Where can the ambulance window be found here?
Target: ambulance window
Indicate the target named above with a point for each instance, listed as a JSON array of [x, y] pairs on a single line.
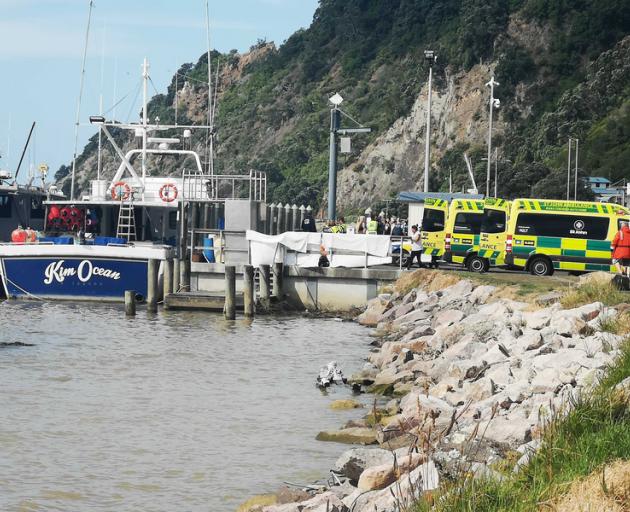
[[564, 226], [469, 223], [5, 206], [493, 221], [432, 220]]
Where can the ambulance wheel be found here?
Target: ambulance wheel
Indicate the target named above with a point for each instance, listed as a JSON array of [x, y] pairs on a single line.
[[540, 266], [477, 264]]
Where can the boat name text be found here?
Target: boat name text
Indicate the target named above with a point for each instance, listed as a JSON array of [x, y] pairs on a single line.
[[84, 272]]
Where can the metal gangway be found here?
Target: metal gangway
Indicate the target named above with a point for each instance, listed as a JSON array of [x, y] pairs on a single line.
[[209, 187]]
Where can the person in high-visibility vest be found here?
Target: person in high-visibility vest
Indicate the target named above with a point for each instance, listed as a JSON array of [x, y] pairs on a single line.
[[372, 227]]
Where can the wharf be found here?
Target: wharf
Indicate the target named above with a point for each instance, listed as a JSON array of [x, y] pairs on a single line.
[[199, 300]]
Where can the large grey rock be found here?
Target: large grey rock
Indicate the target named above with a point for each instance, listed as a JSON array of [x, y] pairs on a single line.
[[539, 319], [373, 313], [419, 332], [412, 316], [546, 380], [402, 310], [481, 294], [353, 462], [447, 317]]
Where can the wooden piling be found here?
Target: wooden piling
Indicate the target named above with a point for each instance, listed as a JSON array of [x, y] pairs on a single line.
[[168, 279], [278, 270], [176, 275], [248, 290], [230, 293], [152, 285], [184, 270], [130, 303], [264, 276]]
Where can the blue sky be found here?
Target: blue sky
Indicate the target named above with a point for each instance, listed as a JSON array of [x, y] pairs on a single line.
[[41, 45]]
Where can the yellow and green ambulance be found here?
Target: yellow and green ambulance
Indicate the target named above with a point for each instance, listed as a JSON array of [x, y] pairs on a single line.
[[461, 239], [546, 235], [433, 226], [493, 234]]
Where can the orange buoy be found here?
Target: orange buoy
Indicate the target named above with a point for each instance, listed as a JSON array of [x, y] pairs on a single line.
[[30, 236], [18, 236]]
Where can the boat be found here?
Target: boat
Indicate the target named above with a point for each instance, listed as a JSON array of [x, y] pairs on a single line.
[[98, 246]]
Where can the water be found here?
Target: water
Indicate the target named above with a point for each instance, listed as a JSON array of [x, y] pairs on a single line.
[[180, 411]]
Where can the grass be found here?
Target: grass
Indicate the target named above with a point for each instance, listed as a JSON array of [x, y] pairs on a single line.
[[596, 432], [590, 292], [616, 324]]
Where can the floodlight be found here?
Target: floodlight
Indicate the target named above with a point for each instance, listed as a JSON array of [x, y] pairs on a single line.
[[97, 120], [430, 56], [336, 100]]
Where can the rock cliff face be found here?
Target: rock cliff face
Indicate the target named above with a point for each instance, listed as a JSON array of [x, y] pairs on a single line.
[[563, 71]]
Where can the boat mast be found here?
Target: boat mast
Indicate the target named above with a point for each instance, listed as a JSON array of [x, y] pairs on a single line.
[[78, 119], [210, 134], [145, 80]]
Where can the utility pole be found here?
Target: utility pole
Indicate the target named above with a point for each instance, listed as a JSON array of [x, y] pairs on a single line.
[[431, 57], [569, 169], [496, 170], [335, 129], [577, 145], [494, 103]]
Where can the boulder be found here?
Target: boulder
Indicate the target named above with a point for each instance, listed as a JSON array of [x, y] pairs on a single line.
[[412, 316], [419, 332], [481, 294], [546, 381], [402, 310], [447, 317], [356, 460], [548, 298], [364, 376], [341, 405], [373, 313], [364, 436], [531, 340], [539, 319], [379, 477], [596, 278], [568, 326]]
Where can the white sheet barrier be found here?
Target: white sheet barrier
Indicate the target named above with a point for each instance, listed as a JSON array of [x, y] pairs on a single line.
[[302, 249]]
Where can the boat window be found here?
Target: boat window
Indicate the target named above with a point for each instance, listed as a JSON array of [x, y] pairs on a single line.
[[493, 221], [433, 220], [468, 223], [564, 226], [172, 220], [37, 209], [5, 206]]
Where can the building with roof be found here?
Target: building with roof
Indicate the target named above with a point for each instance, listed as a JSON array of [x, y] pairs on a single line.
[[607, 192]]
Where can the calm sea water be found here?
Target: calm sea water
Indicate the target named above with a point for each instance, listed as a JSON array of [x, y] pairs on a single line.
[[174, 412]]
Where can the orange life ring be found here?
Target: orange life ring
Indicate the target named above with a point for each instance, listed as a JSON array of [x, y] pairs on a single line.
[[121, 191], [168, 192]]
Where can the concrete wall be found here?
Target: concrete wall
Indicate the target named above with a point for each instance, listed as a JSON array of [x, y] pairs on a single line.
[[326, 289]]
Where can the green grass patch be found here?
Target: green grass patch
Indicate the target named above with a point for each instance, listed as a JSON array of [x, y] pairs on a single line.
[[590, 292], [594, 433]]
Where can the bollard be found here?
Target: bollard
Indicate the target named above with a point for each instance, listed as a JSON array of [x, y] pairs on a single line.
[[302, 215], [168, 279], [288, 222], [176, 275], [264, 276], [230, 293], [295, 224], [152, 285], [248, 290], [278, 269], [130, 303], [280, 228]]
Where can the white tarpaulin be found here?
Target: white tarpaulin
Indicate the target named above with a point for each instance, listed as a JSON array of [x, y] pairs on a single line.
[[302, 249]]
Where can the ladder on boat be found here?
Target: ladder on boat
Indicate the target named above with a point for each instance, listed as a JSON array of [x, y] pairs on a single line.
[[126, 222]]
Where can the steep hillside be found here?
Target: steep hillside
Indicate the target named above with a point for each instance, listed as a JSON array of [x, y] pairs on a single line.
[[563, 67]]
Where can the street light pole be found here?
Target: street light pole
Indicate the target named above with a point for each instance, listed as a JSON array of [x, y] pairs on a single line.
[[569, 170], [577, 145], [493, 104], [496, 170], [332, 164], [431, 57]]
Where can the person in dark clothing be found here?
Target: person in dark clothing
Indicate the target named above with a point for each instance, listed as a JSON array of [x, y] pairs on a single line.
[[308, 224], [323, 258], [397, 228], [380, 228]]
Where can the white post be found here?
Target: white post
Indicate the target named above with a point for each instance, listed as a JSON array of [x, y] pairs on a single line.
[[577, 144], [491, 83], [427, 144], [496, 170], [569, 170], [145, 114]]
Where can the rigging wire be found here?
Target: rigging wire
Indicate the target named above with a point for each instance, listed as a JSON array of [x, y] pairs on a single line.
[[78, 118], [133, 103]]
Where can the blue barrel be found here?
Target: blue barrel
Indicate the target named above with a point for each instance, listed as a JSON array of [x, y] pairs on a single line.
[[208, 251]]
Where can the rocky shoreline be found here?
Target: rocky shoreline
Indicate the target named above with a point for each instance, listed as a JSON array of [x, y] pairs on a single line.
[[465, 379]]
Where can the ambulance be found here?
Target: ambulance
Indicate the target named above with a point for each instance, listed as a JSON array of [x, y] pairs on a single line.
[[491, 252], [546, 235], [461, 239], [433, 228]]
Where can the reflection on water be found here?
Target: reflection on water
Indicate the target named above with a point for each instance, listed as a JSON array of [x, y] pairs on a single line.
[[179, 411]]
